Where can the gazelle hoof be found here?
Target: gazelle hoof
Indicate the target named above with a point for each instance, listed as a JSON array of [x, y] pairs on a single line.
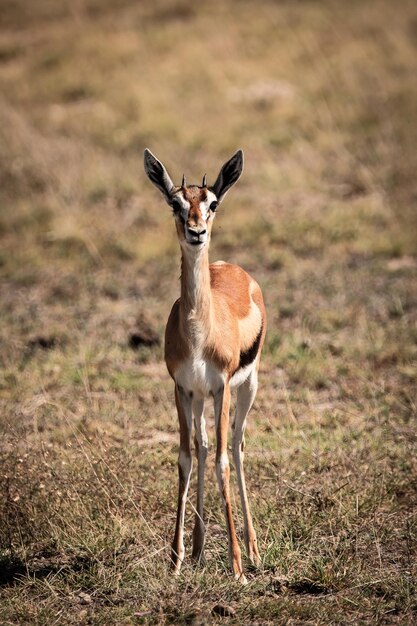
[[241, 578], [199, 559], [176, 562]]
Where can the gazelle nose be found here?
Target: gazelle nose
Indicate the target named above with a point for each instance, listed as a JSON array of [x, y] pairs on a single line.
[[196, 232]]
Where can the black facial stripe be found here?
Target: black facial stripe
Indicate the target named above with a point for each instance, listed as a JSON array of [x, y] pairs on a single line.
[[249, 355]]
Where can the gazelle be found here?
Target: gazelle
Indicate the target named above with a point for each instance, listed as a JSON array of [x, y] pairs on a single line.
[[213, 342]]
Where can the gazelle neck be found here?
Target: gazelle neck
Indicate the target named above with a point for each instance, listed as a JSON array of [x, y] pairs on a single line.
[[195, 287]]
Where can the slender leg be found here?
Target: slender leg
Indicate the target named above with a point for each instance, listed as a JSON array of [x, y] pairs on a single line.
[[201, 450], [183, 403], [221, 410], [245, 396]]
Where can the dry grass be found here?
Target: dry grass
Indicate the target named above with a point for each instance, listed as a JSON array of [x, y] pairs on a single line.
[[322, 97]]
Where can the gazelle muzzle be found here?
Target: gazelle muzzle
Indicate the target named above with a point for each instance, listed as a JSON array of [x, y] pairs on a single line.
[[196, 236]]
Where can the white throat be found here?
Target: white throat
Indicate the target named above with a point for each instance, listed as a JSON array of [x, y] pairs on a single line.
[[195, 287]]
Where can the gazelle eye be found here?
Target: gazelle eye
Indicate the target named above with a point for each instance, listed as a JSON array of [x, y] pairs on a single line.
[[176, 206], [213, 206]]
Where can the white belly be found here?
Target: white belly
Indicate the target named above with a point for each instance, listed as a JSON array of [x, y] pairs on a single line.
[[199, 376], [202, 378]]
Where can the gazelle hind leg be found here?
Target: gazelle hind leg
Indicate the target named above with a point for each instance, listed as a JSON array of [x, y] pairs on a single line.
[[201, 450], [221, 410], [245, 396], [183, 403]]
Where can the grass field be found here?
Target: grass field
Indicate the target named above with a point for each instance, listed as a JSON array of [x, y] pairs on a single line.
[[322, 96]]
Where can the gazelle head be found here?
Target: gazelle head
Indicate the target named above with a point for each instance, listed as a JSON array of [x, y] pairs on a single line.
[[194, 206]]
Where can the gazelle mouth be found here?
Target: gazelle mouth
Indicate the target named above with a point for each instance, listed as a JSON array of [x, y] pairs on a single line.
[[195, 243]]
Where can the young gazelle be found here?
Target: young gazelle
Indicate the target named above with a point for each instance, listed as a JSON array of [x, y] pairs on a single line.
[[213, 342]]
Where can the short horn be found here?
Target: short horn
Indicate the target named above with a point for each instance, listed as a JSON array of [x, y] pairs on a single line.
[[184, 182], [204, 183]]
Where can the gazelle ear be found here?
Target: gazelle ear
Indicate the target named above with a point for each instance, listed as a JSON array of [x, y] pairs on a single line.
[[157, 174], [228, 175]]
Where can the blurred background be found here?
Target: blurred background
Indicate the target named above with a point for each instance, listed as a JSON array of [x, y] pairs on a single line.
[[322, 97]]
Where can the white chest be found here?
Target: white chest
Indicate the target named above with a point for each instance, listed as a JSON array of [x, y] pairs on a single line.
[[199, 376]]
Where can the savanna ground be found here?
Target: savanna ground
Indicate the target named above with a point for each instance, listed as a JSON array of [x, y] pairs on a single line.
[[322, 96]]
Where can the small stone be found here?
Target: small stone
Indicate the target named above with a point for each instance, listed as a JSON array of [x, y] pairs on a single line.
[[142, 613], [279, 584], [85, 598]]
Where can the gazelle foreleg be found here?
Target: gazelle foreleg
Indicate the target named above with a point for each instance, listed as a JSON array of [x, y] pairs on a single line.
[[245, 396], [221, 410], [201, 450], [184, 408]]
